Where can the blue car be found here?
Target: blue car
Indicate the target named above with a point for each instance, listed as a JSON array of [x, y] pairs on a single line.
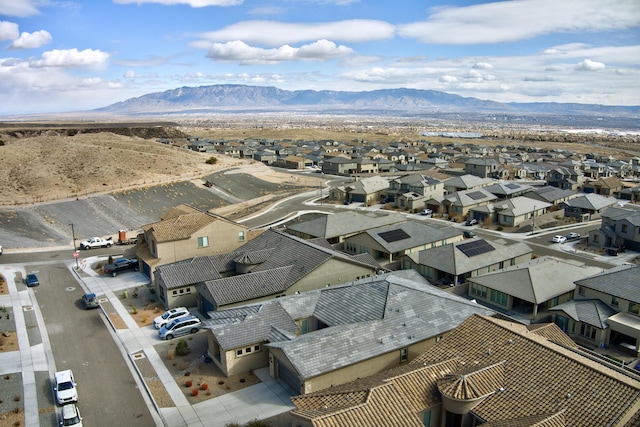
[[31, 280]]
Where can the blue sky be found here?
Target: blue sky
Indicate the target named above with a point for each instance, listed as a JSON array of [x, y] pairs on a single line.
[[65, 55]]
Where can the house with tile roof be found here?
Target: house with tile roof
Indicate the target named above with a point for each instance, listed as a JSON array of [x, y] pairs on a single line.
[[620, 227], [323, 338], [423, 185], [549, 194], [606, 310], [340, 225], [587, 206], [275, 264], [610, 186], [510, 212], [185, 232], [455, 263], [460, 203], [388, 243], [465, 182], [367, 190], [487, 371], [483, 167], [530, 288], [508, 189]]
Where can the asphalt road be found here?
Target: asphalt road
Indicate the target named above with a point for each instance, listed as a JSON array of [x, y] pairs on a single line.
[[81, 341]]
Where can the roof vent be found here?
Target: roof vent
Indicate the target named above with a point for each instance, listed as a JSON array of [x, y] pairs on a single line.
[[501, 389], [381, 341], [569, 396], [510, 341]]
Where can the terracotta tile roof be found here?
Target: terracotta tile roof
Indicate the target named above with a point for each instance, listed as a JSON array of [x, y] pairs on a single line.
[[176, 211], [144, 254], [527, 381], [179, 227], [395, 413], [473, 382], [553, 333], [540, 420]]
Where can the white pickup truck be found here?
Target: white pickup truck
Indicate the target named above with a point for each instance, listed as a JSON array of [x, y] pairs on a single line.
[[96, 242]]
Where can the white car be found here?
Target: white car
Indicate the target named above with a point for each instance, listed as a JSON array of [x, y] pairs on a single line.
[[65, 387], [169, 315], [71, 416], [559, 239], [426, 212]]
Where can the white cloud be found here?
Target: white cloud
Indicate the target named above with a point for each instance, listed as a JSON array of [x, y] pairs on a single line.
[[589, 65], [8, 30], [272, 34], [511, 20], [19, 7], [483, 65], [31, 40], [239, 51], [71, 58], [192, 3], [448, 79]]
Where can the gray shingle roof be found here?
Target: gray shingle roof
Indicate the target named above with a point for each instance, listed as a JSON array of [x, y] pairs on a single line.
[[538, 280], [592, 201], [449, 259], [622, 282], [414, 311], [617, 214], [590, 311], [193, 270], [417, 234], [346, 223]]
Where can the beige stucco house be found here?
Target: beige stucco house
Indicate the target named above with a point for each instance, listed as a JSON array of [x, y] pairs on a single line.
[[322, 338], [185, 232]]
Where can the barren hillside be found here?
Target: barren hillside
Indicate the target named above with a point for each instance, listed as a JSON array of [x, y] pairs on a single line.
[[53, 166]]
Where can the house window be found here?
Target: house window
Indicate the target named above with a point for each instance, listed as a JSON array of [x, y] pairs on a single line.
[[634, 308], [256, 348], [581, 290], [404, 354], [479, 290], [426, 418], [239, 352], [596, 238], [614, 301], [247, 350], [175, 293], [624, 228], [241, 236], [203, 242], [498, 297], [182, 291], [588, 331]]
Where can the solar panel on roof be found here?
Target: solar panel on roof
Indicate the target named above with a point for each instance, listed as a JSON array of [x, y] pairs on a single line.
[[512, 186], [394, 235], [477, 195], [476, 247]]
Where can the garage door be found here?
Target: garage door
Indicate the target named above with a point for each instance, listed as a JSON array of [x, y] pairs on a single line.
[[289, 377]]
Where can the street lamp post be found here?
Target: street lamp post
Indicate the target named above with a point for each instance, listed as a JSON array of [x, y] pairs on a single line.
[[75, 250]]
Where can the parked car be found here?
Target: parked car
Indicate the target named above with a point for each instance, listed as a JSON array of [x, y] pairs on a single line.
[[559, 239], [472, 221], [170, 315], [181, 326], [0, 249], [614, 250], [65, 387], [468, 234], [90, 301], [31, 280], [70, 416], [426, 212], [120, 265], [572, 236]]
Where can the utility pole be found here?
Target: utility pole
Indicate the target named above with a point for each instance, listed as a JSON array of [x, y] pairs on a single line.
[[533, 219], [75, 250]]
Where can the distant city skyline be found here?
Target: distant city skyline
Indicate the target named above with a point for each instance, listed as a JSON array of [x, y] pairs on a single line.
[[62, 56]]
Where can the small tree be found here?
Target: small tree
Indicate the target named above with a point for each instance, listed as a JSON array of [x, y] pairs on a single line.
[[212, 161], [182, 348]]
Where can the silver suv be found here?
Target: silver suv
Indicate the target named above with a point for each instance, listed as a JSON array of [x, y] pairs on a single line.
[[181, 326]]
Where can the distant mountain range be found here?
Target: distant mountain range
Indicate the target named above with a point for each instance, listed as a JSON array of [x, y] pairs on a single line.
[[243, 99]]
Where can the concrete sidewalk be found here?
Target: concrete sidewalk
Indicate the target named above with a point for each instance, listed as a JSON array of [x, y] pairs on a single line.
[[263, 400]]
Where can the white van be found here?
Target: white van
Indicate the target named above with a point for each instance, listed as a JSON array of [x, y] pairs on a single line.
[[181, 326]]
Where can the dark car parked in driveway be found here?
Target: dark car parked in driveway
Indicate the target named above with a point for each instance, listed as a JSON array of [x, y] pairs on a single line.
[[120, 265]]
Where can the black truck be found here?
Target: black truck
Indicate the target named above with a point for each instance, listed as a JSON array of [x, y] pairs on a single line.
[[120, 265]]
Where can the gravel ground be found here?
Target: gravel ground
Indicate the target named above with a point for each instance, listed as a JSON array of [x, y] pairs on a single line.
[[11, 393], [49, 224]]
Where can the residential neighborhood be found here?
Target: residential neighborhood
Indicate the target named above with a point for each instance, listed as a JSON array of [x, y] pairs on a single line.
[[449, 285]]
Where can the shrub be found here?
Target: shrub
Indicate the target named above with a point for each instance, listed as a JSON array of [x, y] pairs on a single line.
[[194, 392], [204, 386], [188, 383], [212, 161], [171, 354], [182, 348]]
